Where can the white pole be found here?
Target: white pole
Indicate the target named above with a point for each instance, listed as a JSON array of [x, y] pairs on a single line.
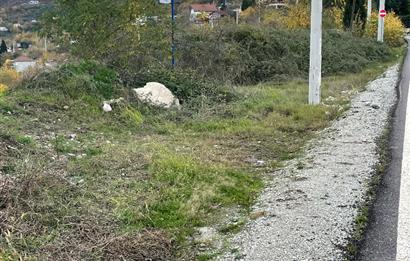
[[369, 9], [45, 44], [259, 11], [380, 30], [315, 74]]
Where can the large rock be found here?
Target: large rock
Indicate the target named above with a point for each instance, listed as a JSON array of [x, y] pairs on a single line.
[[157, 94]]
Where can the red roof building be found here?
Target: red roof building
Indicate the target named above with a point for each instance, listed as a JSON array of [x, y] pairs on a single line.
[[207, 8], [204, 13], [23, 59]]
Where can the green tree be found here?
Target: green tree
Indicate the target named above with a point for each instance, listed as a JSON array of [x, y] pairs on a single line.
[[394, 5], [248, 3], [3, 47], [122, 33], [401, 8], [355, 11]]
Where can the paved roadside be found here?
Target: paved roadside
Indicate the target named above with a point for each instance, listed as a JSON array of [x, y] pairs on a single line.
[[391, 211]]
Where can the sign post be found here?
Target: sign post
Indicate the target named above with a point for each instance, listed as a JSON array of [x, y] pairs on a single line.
[[172, 2], [382, 14], [315, 72], [172, 33]]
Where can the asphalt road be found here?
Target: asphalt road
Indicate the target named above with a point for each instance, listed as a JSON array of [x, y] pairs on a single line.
[[385, 239]]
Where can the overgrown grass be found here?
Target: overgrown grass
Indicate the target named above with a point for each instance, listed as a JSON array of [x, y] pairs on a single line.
[[137, 182]]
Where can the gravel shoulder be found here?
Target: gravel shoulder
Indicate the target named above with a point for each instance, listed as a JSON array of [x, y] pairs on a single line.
[[310, 206]]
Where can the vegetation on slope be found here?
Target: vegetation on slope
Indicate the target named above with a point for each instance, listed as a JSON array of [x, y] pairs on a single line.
[[78, 183]]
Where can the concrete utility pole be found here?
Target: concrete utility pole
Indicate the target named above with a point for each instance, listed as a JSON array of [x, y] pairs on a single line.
[[45, 44], [369, 9], [315, 74], [258, 3], [380, 30]]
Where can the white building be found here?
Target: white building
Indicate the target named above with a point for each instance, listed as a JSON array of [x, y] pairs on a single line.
[[22, 63]]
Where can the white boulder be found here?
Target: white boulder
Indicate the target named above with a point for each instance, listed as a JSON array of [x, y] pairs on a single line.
[[107, 107], [157, 94]]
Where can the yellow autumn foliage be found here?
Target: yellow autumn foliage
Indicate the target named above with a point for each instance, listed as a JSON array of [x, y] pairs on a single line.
[[3, 88], [333, 18], [298, 16], [250, 11], [273, 18], [393, 29], [9, 76]]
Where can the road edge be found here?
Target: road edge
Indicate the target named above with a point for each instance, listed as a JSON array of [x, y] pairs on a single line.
[[385, 153]]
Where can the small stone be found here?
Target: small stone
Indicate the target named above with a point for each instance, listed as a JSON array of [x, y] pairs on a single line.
[[66, 107], [375, 106], [72, 136], [260, 163], [206, 235]]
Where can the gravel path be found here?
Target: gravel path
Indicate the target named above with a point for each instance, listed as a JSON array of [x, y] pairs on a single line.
[[308, 210]]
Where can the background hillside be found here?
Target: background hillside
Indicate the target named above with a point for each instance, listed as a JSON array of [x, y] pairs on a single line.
[[21, 11]]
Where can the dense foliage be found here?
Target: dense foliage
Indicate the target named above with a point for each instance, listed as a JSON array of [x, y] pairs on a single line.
[[393, 30], [121, 33], [185, 84], [355, 12], [78, 79], [401, 8], [134, 39], [249, 54]]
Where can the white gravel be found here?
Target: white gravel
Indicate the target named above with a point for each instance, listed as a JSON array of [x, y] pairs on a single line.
[[311, 211]]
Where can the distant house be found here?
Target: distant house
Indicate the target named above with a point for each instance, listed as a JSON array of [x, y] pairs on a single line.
[[22, 63], [202, 13], [23, 45], [34, 2]]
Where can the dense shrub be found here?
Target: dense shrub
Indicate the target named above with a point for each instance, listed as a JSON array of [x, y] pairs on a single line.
[[8, 76], [250, 54], [78, 79], [298, 16], [185, 84]]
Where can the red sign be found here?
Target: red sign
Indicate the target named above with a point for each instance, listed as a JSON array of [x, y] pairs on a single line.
[[382, 13]]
